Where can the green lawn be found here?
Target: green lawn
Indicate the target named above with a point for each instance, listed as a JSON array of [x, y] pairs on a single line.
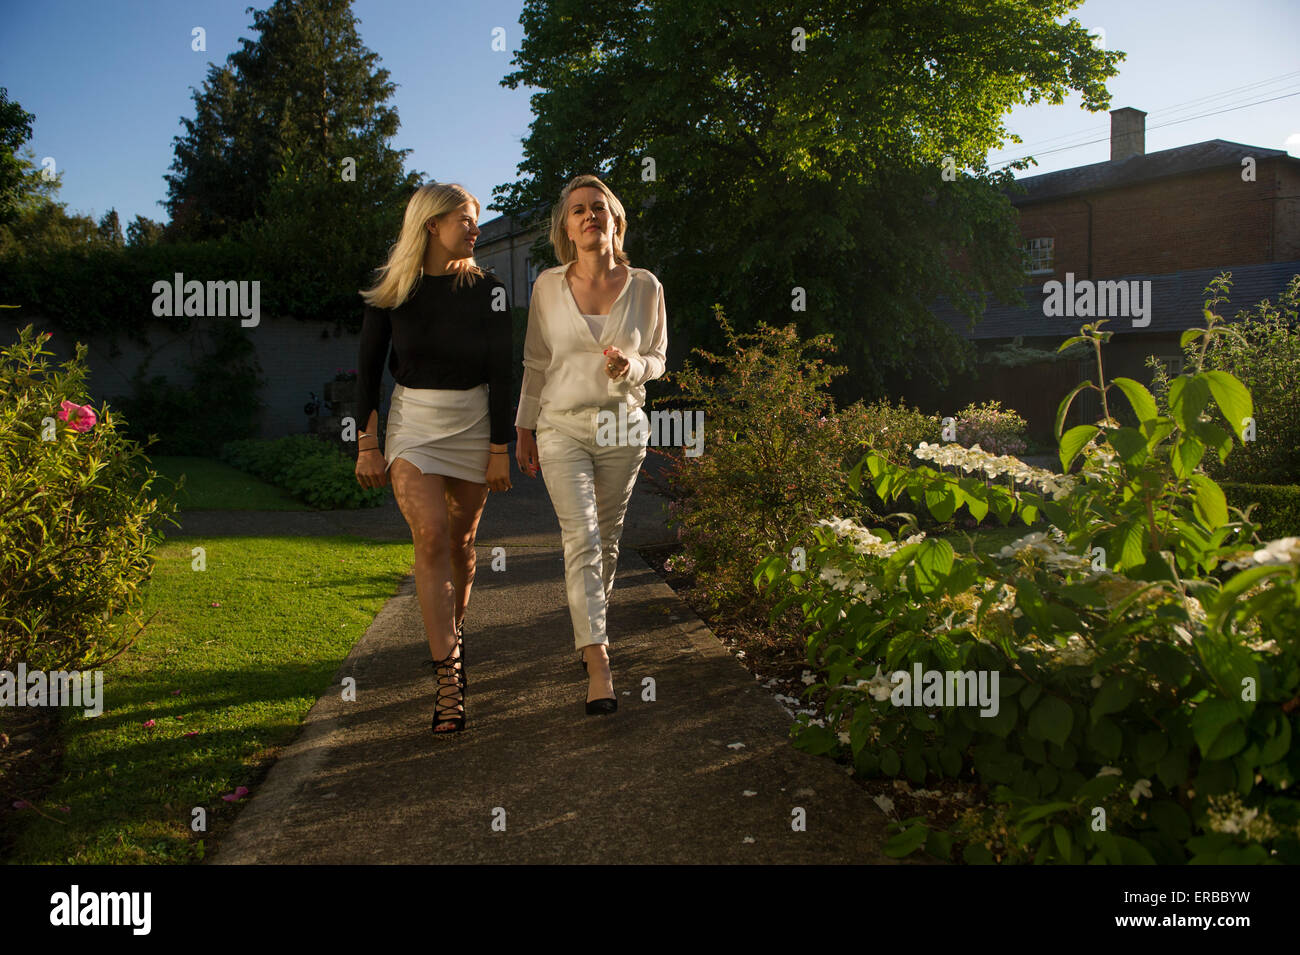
[[212, 485], [237, 654]]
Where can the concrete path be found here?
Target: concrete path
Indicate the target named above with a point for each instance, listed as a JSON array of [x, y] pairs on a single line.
[[695, 767]]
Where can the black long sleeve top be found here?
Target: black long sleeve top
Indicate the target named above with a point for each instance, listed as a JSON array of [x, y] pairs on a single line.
[[441, 338]]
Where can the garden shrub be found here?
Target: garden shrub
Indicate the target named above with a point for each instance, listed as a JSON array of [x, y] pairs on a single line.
[[994, 429], [1278, 506], [1262, 350], [78, 521], [776, 455], [313, 470], [1143, 651]]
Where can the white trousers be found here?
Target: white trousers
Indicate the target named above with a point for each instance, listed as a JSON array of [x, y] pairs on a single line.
[[590, 486]]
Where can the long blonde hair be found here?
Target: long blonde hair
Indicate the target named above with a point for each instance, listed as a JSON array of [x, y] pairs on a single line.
[[405, 265], [564, 248]]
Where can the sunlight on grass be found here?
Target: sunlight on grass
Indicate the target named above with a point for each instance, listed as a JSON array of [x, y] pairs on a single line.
[[237, 654], [212, 485]]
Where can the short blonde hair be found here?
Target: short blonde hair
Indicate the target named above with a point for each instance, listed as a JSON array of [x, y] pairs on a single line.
[[565, 250], [405, 265]]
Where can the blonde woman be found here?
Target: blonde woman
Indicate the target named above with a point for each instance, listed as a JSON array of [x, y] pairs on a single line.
[[597, 332], [449, 420]]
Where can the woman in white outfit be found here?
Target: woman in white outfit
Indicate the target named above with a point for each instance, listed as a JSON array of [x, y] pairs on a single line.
[[597, 332]]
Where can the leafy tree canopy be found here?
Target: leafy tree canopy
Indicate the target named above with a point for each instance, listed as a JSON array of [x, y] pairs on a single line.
[[802, 144]]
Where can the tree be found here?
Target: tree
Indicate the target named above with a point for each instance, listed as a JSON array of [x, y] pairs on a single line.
[[803, 145], [305, 92], [39, 222], [110, 229], [15, 129], [143, 231]]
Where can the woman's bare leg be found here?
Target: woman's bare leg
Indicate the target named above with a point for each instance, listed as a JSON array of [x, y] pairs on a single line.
[[422, 500], [465, 500]]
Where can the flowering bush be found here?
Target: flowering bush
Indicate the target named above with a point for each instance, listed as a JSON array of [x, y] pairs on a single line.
[[992, 428], [895, 431], [1125, 682], [776, 454], [76, 517]]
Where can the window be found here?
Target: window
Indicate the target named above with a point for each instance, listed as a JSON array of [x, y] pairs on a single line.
[[1174, 364], [1039, 258], [532, 277]]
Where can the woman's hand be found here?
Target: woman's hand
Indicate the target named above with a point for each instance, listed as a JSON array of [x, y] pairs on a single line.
[[498, 472], [372, 469], [526, 452], [616, 363]]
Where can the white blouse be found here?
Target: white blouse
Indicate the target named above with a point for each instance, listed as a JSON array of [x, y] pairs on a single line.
[[564, 364]]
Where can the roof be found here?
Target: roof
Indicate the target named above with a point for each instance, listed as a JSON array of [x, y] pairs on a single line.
[[1177, 300], [504, 226], [1113, 174]]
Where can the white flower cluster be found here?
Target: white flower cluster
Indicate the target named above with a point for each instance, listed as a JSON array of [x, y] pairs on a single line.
[[975, 458], [865, 542], [1285, 550], [839, 580], [879, 686], [1048, 549], [1228, 814]]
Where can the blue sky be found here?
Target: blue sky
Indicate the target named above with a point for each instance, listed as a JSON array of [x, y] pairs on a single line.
[[109, 80]]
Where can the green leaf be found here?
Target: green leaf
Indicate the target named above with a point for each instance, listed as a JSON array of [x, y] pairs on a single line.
[[1279, 743], [1073, 441], [941, 502], [1064, 406], [1233, 399], [1187, 399], [907, 841], [1185, 454], [1143, 404], [1115, 694], [933, 562], [890, 763], [1230, 665], [939, 844], [1210, 505], [1105, 737], [1051, 719], [1130, 443], [1210, 718], [1063, 845], [1189, 335]]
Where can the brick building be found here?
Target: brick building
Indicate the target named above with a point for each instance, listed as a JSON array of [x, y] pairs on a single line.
[[1156, 226]]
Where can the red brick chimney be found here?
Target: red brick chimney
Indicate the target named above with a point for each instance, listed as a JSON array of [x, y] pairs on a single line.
[[1128, 133]]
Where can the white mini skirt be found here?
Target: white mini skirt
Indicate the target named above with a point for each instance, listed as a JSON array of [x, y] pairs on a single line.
[[441, 431]]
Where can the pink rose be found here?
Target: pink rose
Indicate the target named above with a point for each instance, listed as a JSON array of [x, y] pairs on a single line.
[[79, 417]]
